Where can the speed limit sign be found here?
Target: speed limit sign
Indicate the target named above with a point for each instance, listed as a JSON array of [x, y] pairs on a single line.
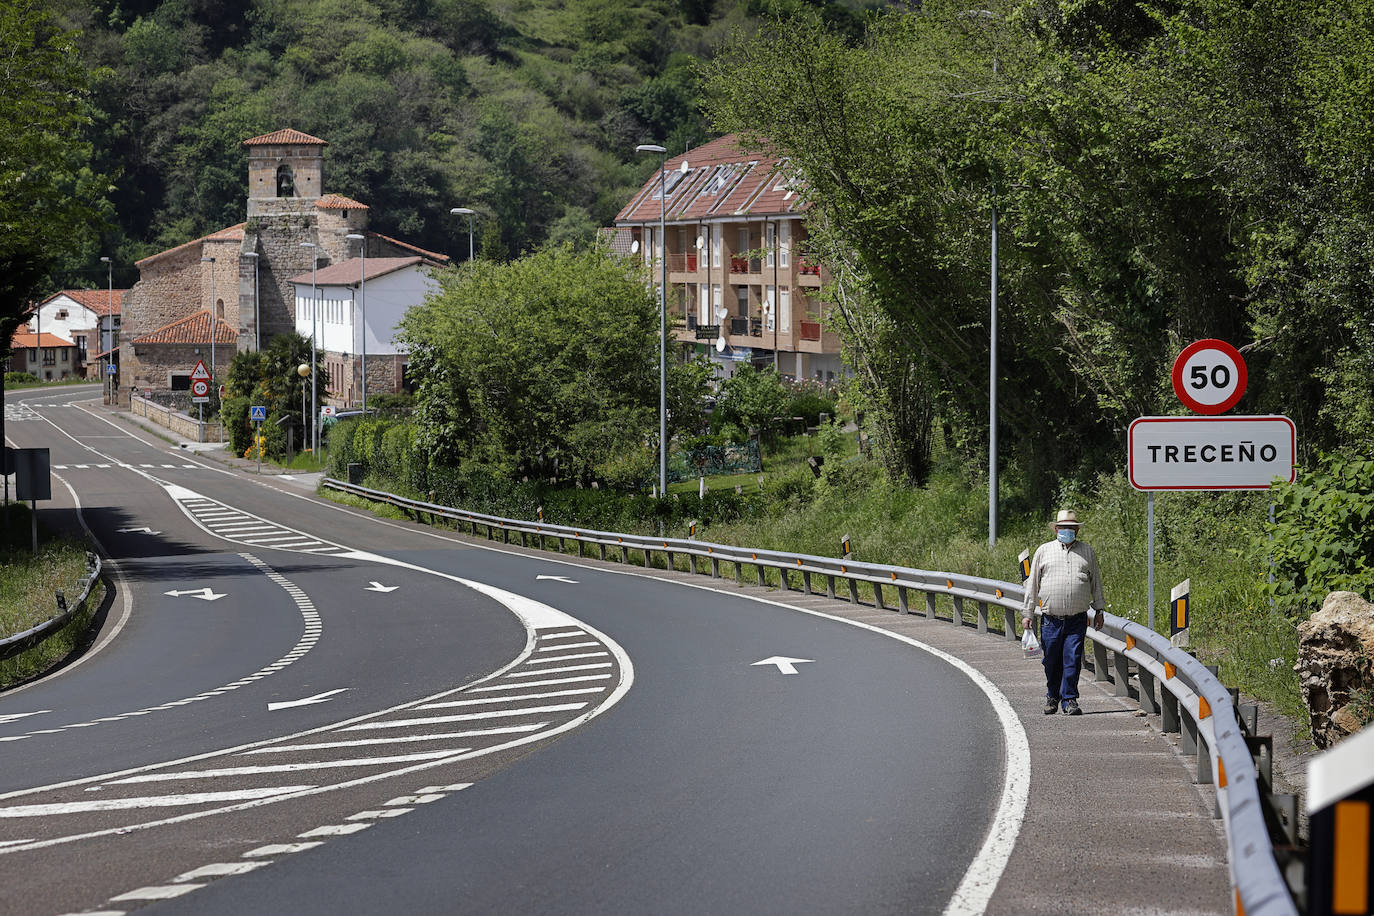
[[1209, 376]]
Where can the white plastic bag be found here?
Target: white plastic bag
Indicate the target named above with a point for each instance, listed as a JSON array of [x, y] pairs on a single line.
[[1030, 646]]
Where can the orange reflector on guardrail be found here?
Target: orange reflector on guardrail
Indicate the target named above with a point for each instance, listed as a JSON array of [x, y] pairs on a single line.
[[894, 577], [998, 590], [753, 556], [949, 583], [1169, 670], [1130, 642], [799, 562], [665, 543], [844, 569], [1221, 773], [1240, 907], [1204, 709]]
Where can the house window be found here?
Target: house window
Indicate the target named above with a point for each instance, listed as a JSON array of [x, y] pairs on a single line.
[[80, 341], [61, 314], [769, 233], [179, 381], [742, 301], [785, 246], [785, 309], [715, 245], [286, 181], [64, 354], [49, 357], [704, 304], [742, 242]]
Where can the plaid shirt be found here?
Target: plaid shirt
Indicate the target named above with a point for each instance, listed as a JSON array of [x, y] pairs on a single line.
[[1064, 580]]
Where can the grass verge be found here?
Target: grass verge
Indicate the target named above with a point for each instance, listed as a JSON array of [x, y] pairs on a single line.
[[28, 585]]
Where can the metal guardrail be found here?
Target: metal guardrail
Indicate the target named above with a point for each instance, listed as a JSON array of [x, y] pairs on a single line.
[[1191, 701], [22, 642]]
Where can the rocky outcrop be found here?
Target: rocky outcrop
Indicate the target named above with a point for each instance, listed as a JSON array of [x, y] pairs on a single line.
[[1336, 666]]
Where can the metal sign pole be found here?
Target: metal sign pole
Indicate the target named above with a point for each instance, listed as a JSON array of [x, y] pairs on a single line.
[[1150, 566], [257, 443]]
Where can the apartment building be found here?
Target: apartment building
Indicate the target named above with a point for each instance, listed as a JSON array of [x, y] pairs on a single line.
[[740, 287]]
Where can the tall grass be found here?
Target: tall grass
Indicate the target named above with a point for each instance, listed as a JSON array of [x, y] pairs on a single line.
[[28, 586]]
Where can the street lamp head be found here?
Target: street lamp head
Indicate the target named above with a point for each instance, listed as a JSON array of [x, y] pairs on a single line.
[[250, 254], [303, 370], [354, 236], [311, 244], [207, 260], [462, 211], [650, 148], [104, 260]]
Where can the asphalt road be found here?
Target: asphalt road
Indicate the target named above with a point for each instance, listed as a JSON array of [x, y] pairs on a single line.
[[475, 738]]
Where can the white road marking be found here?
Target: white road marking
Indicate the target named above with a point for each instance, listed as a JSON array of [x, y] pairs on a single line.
[[219, 870], [406, 739], [288, 767], [469, 717], [165, 892], [279, 849], [16, 716], [154, 801], [334, 830], [544, 671], [415, 799], [456, 787], [373, 815], [308, 701], [571, 645], [550, 682], [553, 660], [449, 704]]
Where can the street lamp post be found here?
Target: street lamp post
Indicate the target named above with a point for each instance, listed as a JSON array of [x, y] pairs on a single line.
[[211, 262], [109, 324], [314, 310], [362, 308], [304, 371], [465, 211], [662, 315]]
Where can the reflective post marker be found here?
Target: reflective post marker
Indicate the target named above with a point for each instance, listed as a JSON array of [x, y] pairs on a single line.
[[1179, 613]]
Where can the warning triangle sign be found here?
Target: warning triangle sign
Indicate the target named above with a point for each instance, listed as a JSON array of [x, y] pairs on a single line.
[[200, 372]]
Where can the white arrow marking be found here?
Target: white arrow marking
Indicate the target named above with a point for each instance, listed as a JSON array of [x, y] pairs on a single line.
[[785, 665], [557, 579], [138, 531], [204, 594], [308, 701], [379, 587], [15, 716]]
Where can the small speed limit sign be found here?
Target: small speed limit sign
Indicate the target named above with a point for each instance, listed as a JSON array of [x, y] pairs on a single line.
[[1209, 376]]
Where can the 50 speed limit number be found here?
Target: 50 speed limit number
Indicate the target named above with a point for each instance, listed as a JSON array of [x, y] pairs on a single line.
[[1209, 376]]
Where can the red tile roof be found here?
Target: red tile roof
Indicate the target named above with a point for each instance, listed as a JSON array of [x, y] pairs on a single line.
[[723, 179], [617, 239], [25, 340], [345, 273], [231, 234], [194, 329], [339, 202], [99, 301], [285, 135], [102, 355], [432, 255]]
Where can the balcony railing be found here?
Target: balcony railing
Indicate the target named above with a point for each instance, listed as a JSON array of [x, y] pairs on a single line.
[[810, 330], [678, 263], [808, 269]]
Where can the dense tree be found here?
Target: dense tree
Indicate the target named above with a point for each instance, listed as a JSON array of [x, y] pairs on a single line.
[[542, 367]]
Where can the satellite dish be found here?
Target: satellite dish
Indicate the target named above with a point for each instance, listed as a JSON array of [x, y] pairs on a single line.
[[634, 247], [721, 313], [683, 168], [701, 243], [720, 344]]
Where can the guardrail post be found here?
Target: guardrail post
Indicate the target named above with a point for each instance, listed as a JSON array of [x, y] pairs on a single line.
[[1099, 661], [739, 573], [982, 616], [853, 591], [1169, 721], [759, 568], [1188, 732], [902, 600], [672, 564], [878, 596], [806, 581], [715, 568], [624, 554], [1147, 690], [958, 617], [1204, 764], [1009, 624], [829, 586], [692, 563], [524, 539], [648, 558], [602, 548], [580, 550], [930, 606], [1123, 674], [1262, 751], [1248, 714], [782, 579]]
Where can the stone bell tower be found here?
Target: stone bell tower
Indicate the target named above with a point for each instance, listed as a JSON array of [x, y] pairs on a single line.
[[285, 173]]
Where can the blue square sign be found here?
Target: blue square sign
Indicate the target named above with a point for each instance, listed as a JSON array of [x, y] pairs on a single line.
[[257, 413]]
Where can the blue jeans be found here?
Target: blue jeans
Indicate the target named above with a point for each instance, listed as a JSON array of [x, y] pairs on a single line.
[[1061, 638]]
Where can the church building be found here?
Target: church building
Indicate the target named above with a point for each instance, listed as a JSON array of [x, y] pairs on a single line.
[[231, 291]]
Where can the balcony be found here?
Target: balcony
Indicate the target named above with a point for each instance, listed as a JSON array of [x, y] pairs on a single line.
[[746, 327], [682, 263], [807, 269], [810, 330]]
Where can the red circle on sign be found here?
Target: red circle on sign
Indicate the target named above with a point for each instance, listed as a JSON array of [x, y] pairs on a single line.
[[200, 388], [1213, 367]]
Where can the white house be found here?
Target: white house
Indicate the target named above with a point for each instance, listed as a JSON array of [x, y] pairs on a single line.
[[342, 296], [89, 318]]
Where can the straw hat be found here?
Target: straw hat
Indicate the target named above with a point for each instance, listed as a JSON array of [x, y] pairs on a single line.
[[1067, 518]]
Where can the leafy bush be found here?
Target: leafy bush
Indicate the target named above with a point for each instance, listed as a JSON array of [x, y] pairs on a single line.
[[751, 397], [20, 378], [808, 400], [1322, 537]]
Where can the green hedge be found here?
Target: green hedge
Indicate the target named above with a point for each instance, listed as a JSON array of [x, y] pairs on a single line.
[[392, 459]]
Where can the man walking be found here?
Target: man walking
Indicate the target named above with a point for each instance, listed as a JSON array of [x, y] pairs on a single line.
[[1064, 585]]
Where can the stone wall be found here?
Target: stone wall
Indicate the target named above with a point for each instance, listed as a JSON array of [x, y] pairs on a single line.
[[1336, 667], [157, 362], [184, 426]]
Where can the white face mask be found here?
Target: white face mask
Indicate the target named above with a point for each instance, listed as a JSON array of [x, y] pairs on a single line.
[[1066, 535]]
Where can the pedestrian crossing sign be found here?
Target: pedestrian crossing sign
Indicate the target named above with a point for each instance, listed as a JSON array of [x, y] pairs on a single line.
[[257, 413]]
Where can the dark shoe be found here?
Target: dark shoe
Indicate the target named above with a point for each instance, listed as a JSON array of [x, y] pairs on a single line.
[[1051, 706], [1071, 708]]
